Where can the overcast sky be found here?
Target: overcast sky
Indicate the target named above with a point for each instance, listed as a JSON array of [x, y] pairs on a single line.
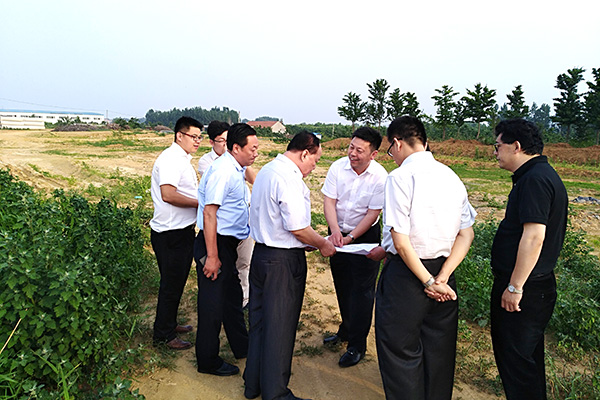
[[291, 60]]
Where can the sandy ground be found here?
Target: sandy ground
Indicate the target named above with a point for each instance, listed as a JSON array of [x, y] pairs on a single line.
[[50, 160]]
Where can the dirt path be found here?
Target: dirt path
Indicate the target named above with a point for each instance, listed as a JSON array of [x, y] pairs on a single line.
[[315, 377]]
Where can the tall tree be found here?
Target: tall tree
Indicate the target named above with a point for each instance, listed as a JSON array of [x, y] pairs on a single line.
[[541, 116], [592, 103], [460, 115], [395, 105], [568, 107], [480, 105], [353, 109], [411, 104], [516, 105], [376, 108], [444, 101]]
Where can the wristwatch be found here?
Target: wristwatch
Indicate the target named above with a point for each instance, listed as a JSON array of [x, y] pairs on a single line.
[[430, 282], [351, 236], [513, 289]]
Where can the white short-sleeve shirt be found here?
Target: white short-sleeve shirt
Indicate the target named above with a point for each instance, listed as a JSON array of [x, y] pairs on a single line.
[[206, 160], [427, 201], [280, 204], [355, 194], [172, 167]]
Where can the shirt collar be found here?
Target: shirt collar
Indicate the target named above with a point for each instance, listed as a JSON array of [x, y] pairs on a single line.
[[369, 169], [289, 163], [417, 156], [232, 159], [527, 166], [180, 151]]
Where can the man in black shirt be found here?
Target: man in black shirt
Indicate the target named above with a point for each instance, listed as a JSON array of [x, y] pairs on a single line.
[[524, 253]]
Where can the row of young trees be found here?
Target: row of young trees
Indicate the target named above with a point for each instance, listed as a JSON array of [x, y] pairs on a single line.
[[574, 112], [169, 118]]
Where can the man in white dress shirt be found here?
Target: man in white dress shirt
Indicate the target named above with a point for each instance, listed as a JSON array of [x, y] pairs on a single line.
[[173, 189], [223, 219], [280, 225], [427, 232], [353, 199], [217, 134]]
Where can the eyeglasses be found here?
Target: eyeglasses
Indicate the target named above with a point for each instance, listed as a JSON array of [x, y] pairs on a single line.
[[194, 137], [219, 140], [389, 152], [497, 146]]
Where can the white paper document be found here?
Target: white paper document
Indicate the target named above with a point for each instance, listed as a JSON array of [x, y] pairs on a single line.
[[361, 248]]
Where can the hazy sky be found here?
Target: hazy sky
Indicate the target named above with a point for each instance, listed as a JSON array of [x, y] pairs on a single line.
[[291, 60]]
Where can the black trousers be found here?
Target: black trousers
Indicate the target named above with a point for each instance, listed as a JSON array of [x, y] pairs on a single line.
[[277, 282], [415, 335], [173, 250], [518, 337], [219, 302], [354, 279]]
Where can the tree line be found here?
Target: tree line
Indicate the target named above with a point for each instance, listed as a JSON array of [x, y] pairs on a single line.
[[576, 115], [169, 118]]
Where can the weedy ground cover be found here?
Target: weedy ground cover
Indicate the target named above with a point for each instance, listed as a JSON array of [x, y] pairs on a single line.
[[72, 271]]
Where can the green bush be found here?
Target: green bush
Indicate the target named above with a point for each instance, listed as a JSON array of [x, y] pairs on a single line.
[[577, 312], [71, 270], [474, 276]]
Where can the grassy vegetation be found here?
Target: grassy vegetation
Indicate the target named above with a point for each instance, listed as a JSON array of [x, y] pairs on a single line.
[[574, 340]]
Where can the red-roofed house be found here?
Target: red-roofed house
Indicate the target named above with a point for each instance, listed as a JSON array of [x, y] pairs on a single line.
[[276, 126]]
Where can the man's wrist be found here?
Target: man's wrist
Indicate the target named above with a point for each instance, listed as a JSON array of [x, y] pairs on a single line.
[[351, 236]]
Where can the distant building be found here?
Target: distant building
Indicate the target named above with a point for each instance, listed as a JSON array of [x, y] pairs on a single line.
[[35, 119], [276, 126]]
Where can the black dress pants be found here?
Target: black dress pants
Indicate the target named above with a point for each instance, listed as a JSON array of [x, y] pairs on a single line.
[[415, 335], [354, 279], [219, 302], [277, 282], [518, 337], [173, 250]]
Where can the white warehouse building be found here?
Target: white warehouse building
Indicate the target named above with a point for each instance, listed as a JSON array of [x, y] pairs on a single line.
[[35, 119]]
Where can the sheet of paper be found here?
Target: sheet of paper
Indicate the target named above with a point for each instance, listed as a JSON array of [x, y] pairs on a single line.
[[361, 248]]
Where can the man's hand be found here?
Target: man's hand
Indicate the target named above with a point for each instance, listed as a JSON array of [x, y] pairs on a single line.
[[211, 267], [337, 239], [510, 301], [327, 249], [376, 254]]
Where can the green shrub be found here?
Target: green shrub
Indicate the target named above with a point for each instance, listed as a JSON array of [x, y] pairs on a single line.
[[474, 276], [71, 270], [577, 312]]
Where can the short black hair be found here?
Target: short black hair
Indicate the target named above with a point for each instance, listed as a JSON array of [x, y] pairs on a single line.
[[370, 135], [407, 128], [520, 130], [304, 140], [238, 134], [215, 128], [183, 124]]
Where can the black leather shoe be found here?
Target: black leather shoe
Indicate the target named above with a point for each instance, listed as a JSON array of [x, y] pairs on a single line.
[[350, 358], [333, 339], [183, 328], [225, 369], [178, 344]]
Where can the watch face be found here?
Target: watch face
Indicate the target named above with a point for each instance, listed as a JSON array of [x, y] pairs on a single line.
[[513, 289]]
